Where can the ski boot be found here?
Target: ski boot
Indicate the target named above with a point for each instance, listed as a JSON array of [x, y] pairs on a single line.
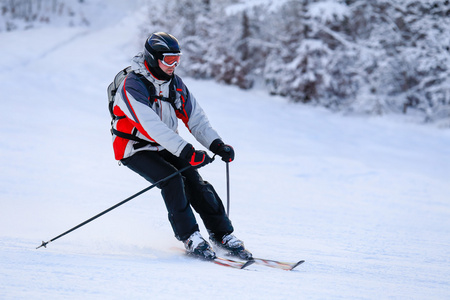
[[197, 246], [232, 245]]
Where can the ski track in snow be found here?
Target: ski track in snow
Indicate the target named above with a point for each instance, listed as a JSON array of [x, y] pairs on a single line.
[[363, 200]]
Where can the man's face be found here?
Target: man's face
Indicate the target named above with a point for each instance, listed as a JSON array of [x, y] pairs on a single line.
[[168, 70]]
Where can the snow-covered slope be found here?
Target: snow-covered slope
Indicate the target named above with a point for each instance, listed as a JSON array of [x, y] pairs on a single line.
[[364, 201]]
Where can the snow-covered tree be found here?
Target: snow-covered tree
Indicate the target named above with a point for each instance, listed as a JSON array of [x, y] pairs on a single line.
[[27, 14]]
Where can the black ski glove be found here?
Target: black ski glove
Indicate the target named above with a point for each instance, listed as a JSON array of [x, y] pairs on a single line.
[[197, 158], [223, 150]]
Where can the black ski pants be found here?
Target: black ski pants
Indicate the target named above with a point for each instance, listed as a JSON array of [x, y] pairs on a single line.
[[181, 192]]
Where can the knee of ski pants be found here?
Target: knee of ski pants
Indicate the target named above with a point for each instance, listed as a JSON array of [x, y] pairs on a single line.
[[176, 181], [174, 194], [205, 199]]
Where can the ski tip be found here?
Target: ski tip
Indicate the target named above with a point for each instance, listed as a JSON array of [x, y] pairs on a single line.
[[296, 265], [248, 263]]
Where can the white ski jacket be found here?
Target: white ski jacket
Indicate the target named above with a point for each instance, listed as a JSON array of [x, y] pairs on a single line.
[[143, 108]]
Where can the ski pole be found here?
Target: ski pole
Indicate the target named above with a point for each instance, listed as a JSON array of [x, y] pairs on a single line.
[[228, 189], [44, 244]]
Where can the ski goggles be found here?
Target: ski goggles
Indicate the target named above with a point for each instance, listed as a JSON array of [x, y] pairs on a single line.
[[171, 59]]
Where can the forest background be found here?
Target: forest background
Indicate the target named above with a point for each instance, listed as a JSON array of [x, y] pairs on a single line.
[[352, 56]]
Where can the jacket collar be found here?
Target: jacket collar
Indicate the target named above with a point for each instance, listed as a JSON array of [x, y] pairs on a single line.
[[138, 66]]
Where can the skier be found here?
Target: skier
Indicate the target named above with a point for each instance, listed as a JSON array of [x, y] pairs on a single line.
[[147, 106]]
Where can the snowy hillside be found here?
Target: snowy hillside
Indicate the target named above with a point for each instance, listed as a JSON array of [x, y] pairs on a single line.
[[365, 201]]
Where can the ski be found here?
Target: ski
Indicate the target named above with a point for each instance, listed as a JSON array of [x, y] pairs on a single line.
[[288, 266], [221, 261], [232, 263], [239, 264]]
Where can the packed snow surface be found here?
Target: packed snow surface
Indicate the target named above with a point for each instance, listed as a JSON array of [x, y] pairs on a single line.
[[365, 201]]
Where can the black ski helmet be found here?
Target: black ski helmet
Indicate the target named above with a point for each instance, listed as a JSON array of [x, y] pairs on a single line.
[[157, 44]]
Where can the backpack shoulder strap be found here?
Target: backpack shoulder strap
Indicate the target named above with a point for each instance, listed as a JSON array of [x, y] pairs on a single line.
[[148, 85]]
